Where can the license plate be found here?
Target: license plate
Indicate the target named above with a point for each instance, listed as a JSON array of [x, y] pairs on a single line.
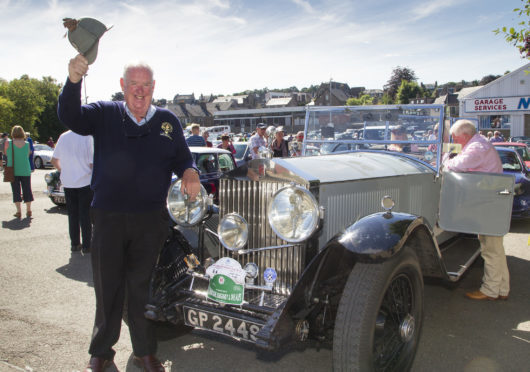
[[60, 199], [233, 327]]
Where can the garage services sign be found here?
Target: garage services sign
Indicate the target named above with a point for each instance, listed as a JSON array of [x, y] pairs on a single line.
[[497, 104]]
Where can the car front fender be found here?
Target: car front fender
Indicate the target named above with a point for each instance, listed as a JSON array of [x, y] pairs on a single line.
[[377, 237]]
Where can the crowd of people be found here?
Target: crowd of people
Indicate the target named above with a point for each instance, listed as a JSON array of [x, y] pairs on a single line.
[[278, 146]]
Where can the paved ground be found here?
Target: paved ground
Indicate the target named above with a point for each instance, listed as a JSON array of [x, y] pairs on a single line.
[[47, 309]]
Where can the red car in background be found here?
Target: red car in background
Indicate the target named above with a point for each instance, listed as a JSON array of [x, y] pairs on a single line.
[[519, 147]]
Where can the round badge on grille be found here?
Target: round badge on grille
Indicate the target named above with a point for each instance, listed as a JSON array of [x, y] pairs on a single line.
[[269, 275]]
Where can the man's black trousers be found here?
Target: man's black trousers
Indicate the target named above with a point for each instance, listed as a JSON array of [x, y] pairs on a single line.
[[125, 249], [78, 205]]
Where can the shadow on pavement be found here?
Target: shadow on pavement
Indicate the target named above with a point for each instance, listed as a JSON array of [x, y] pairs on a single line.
[[57, 210], [17, 224], [520, 226], [78, 268]]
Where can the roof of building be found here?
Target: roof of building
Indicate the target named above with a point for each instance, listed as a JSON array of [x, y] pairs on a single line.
[[279, 101], [462, 93], [238, 99], [489, 88], [440, 100], [340, 94]]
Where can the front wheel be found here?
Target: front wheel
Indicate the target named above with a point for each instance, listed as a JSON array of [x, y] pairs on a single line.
[[380, 315], [38, 163]]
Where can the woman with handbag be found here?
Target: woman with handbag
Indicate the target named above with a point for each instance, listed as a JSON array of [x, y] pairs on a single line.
[[17, 152]]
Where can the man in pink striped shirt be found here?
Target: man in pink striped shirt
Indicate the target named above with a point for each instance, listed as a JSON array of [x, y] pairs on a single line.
[[479, 155]]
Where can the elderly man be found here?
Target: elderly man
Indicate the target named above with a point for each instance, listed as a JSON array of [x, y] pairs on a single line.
[[137, 146], [479, 155], [258, 140], [497, 137]]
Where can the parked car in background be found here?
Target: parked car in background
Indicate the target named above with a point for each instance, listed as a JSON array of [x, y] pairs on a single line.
[[332, 248], [42, 156], [513, 164], [521, 149], [521, 139], [212, 163], [55, 189]]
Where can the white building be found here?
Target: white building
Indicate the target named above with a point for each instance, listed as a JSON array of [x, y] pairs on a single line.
[[503, 104]]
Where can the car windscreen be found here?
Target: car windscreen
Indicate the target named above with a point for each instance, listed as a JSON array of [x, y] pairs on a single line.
[[509, 161], [240, 150], [411, 130]]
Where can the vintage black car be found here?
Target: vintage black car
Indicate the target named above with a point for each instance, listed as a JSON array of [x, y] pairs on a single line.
[[331, 248], [54, 188]]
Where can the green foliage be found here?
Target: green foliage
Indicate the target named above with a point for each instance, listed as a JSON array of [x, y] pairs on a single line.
[[118, 96], [519, 36], [398, 75], [408, 90], [6, 114], [386, 99], [48, 124], [32, 104], [363, 100]]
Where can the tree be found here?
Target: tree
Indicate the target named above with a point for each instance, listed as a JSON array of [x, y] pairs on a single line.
[[398, 75], [519, 37], [28, 103], [118, 96], [363, 100], [488, 79], [6, 114], [386, 99], [48, 124], [408, 90]]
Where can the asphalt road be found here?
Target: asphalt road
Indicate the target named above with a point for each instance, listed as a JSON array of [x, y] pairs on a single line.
[[47, 310]]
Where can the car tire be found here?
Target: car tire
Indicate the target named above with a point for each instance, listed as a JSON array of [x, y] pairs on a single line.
[[38, 162], [380, 315], [56, 203]]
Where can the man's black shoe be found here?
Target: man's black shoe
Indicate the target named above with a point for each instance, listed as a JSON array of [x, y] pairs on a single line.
[[76, 248], [85, 250]]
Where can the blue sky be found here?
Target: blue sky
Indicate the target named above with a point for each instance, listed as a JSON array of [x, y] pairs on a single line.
[[227, 46]]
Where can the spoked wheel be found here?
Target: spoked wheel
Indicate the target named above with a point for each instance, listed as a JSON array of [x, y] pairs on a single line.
[[379, 318]]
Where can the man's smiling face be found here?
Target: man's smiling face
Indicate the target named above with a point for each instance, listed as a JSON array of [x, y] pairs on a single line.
[[138, 90]]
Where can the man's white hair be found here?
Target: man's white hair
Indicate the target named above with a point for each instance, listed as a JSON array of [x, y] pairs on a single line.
[[463, 126], [135, 65]]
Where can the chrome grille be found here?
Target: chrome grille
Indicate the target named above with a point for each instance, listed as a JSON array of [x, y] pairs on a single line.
[[250, 199]]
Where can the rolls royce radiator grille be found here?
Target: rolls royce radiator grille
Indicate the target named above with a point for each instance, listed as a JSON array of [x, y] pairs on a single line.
[[250, 199]]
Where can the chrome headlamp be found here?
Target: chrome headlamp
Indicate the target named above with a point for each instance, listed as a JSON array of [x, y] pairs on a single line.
[[233, 232], [293, 213], [183, 211]]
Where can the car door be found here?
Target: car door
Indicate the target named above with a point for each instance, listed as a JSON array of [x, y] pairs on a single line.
[[476, 203]]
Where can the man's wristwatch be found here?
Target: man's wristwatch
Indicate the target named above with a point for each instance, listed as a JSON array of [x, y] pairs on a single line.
[[192, 169]]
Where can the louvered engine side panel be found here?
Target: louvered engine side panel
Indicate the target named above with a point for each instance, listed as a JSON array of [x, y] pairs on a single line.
[[344, 208]]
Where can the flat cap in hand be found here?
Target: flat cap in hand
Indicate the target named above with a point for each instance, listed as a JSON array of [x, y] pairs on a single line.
[[84, 35]]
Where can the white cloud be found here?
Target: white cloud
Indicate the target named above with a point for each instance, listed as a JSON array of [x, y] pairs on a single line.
[[223, 47], [304, 5], [425, 9]]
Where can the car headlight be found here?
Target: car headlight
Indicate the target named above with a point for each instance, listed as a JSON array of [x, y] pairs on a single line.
[[183, 211], [233, 232], [293, 213]]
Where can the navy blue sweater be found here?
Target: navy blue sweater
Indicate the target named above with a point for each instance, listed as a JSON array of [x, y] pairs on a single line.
[[133, 164]]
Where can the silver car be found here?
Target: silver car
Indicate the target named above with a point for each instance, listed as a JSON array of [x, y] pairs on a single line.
[[332, 248], [42, 156]]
